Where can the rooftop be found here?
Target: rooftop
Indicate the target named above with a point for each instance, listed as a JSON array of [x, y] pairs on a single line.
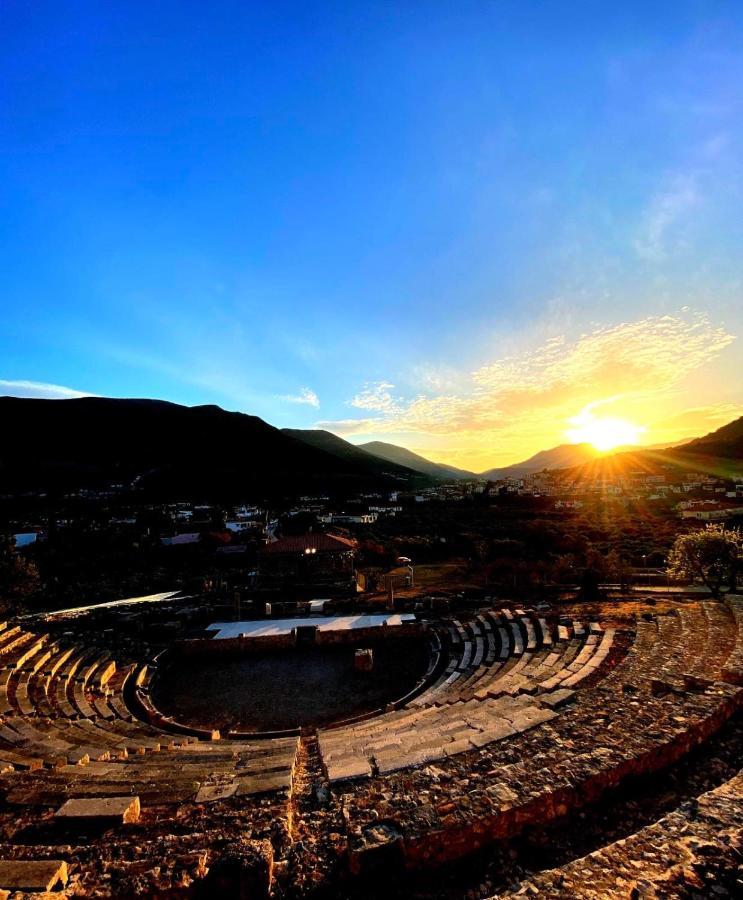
[[317, 542]]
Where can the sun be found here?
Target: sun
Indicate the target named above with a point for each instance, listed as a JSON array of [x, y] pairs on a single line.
[[603, 433]]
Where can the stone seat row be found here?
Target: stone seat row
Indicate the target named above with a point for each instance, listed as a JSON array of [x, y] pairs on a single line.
[[524, 691], [67, 706], [60, 683], [75, 740], [682, 643], [196, 773], [66, 713], [673, 850], [473, 648], [665, 696], [77, 733], [416, 736], [734, 667], [512, 654]]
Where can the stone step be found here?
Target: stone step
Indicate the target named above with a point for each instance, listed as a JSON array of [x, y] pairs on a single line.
[[100, 810], [33, 875]]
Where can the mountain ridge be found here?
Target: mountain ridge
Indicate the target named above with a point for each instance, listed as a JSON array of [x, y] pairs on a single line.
[[559, 457], [170, 450], [331, 443], [726, 441], [565, 456], [174, 450], [716, 451], [405, 457]]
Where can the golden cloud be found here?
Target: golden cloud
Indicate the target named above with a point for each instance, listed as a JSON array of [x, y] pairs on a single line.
[[522, 403]]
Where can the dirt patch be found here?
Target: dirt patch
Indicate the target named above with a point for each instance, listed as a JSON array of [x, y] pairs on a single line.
[[288, 689]]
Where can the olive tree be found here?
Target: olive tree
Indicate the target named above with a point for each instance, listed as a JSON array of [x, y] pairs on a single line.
[[18, 577], [711, 554]]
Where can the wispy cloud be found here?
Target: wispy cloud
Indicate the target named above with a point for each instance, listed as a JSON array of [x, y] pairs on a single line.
[[40, 390], [666, 213], [376, 397], [436, 378], [533, 395], [305, 397]]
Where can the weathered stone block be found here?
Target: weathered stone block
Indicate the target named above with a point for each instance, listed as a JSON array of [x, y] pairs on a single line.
[[556, 699], [380, 848], [209, 792], [32, 875], [695, 684], [100, 810], [502, 794], [105, 674]]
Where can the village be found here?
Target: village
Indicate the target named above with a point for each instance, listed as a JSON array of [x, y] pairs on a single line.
[[488, 532], [316, 723]]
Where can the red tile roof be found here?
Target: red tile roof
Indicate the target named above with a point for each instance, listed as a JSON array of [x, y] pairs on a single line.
[[322, 543]]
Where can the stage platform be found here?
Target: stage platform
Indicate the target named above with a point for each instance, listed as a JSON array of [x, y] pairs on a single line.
[[277, 627]]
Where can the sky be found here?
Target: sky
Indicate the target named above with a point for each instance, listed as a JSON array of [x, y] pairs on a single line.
[[469, 228]]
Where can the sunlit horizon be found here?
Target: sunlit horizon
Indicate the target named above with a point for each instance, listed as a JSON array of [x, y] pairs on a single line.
[[605, 436], [453, 229], [602, 432]]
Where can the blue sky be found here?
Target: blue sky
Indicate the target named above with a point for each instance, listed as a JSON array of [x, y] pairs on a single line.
[[425, 222]]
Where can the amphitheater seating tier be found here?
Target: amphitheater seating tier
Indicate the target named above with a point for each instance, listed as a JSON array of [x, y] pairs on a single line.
[[733, 671], [520, 712], [503, 669], [660, 700], [663, 859]]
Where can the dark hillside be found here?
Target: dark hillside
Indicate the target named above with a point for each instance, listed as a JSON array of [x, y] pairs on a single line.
[[331, 443], [161, 448]]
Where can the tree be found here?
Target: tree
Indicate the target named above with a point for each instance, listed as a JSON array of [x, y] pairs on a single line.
[[711, 554], [618, 569], [565, 569], [18, 576], [594, 572]]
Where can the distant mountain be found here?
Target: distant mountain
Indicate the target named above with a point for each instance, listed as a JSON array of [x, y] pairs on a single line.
[[561, 457], [404, 457], [726, 442], [331, 443], [663, 445], [167, 450], [720, 452]]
